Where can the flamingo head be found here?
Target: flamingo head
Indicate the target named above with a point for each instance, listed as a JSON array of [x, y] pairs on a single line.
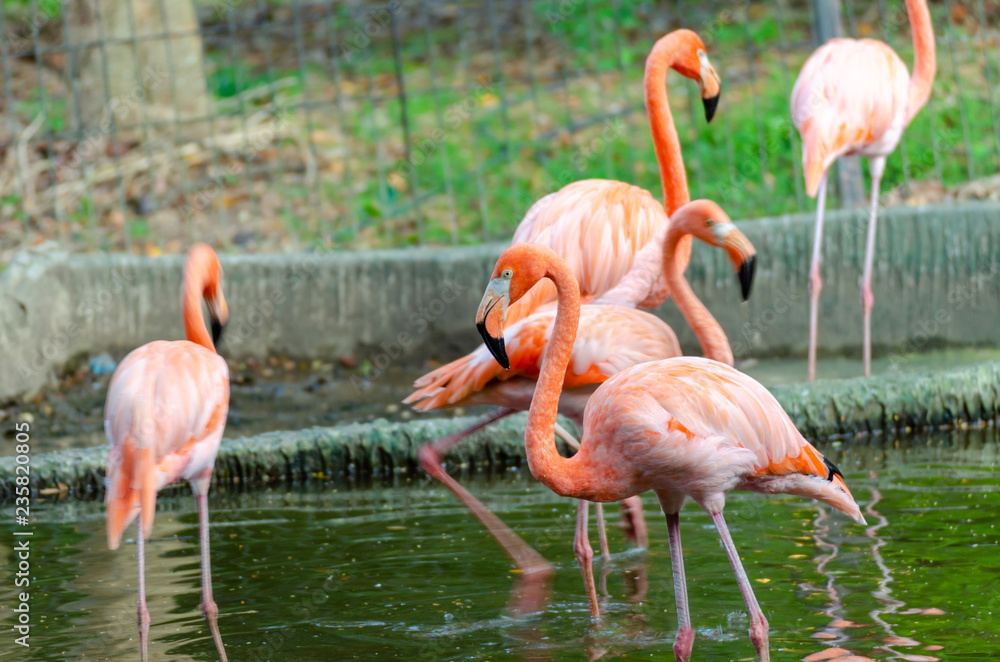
[[203, 272], [708, 222], [516, 272], [692, 62]]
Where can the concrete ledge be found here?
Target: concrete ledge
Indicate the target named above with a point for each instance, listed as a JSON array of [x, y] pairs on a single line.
[[936, 283], [825, 410]]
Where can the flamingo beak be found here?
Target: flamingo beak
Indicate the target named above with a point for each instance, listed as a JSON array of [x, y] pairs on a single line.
[[741, 253], [218, 314], [710, 86], [491, 316]]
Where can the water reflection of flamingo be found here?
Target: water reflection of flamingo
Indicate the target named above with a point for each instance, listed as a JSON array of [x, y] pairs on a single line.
[[165, 413], [610, 339], [682, 427], [854, 96]]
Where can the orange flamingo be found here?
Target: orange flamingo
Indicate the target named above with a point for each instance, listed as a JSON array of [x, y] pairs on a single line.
[[856, 97], [682, 427], [610, 339], [164, 417], [612, 232]]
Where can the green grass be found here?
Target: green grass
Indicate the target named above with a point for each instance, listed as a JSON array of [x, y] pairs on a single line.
[[482, 153]]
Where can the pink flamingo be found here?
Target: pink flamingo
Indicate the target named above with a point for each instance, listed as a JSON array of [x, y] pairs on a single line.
[[610, 339], [612, 232], [856, 97], [682, 427], [164, 417]]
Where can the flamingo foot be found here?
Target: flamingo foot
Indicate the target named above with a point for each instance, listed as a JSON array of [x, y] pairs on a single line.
[[683, 643], [633, 522]]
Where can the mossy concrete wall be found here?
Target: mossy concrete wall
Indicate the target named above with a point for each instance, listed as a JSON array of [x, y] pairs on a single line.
[[936, 282], [845, 409]]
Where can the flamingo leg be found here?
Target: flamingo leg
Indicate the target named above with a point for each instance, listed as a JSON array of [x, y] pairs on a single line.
[[758, 624], [684, 640], [602, 532], [207, 600], [633, 519], [535, 570], [142, 611], [877, 166], [815, 282], [585, 556]]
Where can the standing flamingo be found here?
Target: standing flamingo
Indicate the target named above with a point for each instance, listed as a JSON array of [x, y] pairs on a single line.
[[854, 96], [612, 232], [164, 417], [611, 338], [682, 427]]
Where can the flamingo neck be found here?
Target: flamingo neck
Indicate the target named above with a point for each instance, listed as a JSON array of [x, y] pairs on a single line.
[[925, 58], [664, 55], [544, 460], [194, 321], [714, 344]]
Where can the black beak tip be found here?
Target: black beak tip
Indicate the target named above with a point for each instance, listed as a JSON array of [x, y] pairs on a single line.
[[217, 329], [495, 345], [710, 105], [746, 275]]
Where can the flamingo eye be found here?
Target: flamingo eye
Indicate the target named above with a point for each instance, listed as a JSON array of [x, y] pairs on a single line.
[[709, 222], [507, 273]]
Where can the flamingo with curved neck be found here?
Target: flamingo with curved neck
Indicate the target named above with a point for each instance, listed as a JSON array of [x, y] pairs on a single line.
[[610, 231], [164, 417], [682, 427]]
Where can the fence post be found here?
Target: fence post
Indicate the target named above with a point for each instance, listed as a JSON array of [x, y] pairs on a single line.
[[850, 185]]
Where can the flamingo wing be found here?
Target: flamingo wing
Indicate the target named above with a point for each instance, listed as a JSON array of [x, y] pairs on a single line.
[[164, 417], [598, 226], [610, 339], [709, 428], [850, 98]]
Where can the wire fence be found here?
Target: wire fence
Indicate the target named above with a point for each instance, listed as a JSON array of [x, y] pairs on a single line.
[[276, 124]]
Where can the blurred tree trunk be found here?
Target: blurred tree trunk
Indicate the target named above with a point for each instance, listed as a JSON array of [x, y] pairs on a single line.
[[128, 70]]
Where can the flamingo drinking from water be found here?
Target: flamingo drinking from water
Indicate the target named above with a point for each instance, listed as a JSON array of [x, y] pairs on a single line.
[[855, 97], [610, 339], [164, 417], [683, 427]]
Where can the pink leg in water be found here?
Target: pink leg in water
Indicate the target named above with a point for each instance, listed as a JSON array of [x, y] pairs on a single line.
[[200, 487], [585, 556], [684, 640], [142, 611], [758, 624]]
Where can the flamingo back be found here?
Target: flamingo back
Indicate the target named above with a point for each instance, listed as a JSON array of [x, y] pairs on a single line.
[[701, 428], [850, 98], [611, 339], [598, 226], [164, 417]]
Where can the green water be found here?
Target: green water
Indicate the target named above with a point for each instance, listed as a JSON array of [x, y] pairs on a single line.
[[400, 572]]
